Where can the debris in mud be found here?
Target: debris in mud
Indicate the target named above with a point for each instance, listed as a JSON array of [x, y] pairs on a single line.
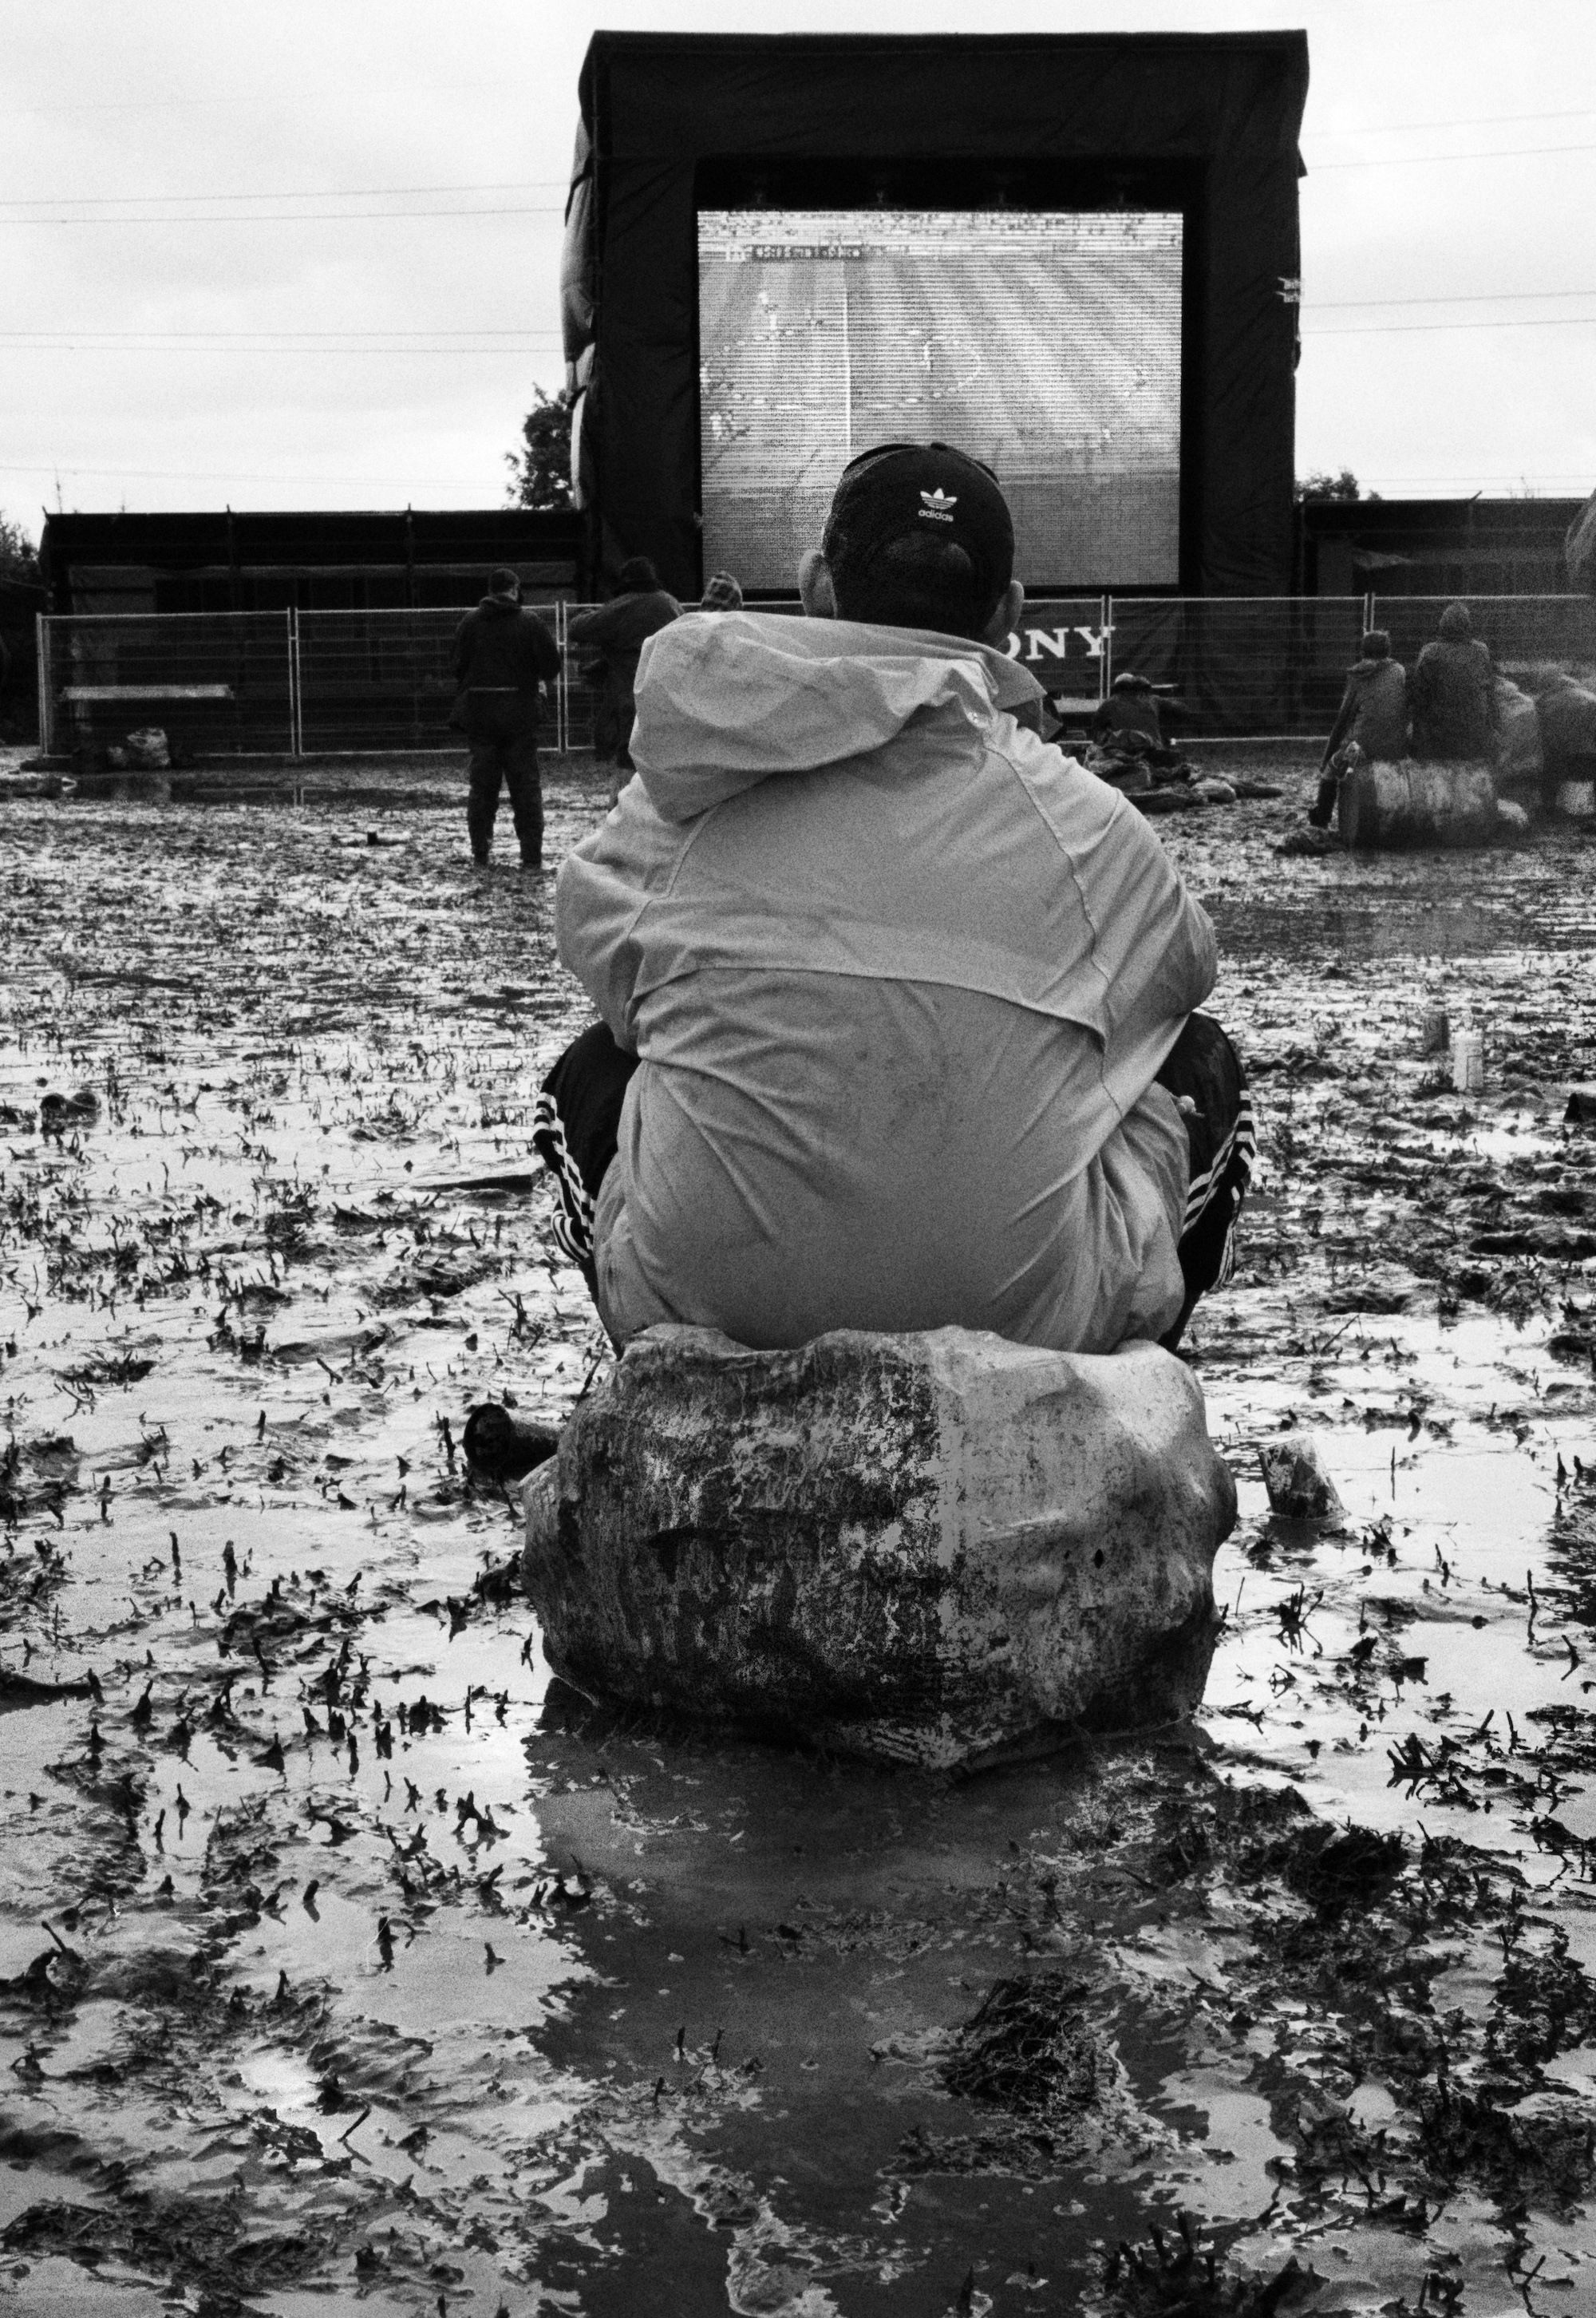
[[1330, 2014], [1299, 1488], [205, 2248], [1030, 2050], [1308, 844], [1333, 1871], [504, 1447], [1031, 2054], [1180, 2279]]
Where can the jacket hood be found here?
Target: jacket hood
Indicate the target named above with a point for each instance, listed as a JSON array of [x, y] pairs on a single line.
[[726, 699], [498, 605]]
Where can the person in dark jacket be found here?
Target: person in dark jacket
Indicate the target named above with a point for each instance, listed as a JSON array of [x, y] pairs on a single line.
[[618, 631], [502, 653], [1451, 697], [1132, 706], [1373, 717]]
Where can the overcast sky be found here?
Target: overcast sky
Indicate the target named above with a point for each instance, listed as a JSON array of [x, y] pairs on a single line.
[[306, 256]]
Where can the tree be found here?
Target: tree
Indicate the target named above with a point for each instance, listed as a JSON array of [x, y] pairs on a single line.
[[1344, 486], [540, 472], [19, 558]]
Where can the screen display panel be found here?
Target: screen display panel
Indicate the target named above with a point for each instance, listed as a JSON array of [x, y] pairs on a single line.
[[1044, 342]]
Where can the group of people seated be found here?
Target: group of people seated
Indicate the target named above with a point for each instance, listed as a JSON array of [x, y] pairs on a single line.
[[1445, 713], [897, 1006]]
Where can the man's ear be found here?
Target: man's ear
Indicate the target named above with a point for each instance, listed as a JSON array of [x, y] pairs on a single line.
[[816, 587], [1006, 618]]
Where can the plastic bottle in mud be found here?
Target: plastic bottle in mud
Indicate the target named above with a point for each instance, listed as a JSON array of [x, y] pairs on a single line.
[[1469, 1060]]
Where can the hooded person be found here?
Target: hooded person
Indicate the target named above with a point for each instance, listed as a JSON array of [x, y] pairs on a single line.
[[1132, 706], [896, 1000], [1451, 695], [1373, 717], [502, 654], [721, 593], [617, 631]]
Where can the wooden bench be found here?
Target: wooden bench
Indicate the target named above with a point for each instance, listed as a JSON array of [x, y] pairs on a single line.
[[87, 703]]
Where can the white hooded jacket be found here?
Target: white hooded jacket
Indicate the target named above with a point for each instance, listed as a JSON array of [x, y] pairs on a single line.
[[900, 976]]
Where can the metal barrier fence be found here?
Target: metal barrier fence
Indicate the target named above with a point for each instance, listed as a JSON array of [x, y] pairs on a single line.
[[301, 684], [289, 683]]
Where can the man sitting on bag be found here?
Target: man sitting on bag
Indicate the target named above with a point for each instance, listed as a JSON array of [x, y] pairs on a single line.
[[897, 1002]]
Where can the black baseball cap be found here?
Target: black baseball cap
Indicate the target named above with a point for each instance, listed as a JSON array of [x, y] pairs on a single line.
[[899, 490]]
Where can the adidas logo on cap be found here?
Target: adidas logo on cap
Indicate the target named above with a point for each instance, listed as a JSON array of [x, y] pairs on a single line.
[[937, 505]]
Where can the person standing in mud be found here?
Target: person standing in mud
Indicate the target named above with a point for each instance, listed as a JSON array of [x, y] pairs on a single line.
[[618, 631], [502, 654]]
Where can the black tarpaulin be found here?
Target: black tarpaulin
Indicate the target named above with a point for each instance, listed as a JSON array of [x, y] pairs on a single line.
[[1210, 120], [1580, 548]]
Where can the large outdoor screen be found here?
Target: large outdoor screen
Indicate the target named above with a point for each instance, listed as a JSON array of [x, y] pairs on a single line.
[[1045, 342]]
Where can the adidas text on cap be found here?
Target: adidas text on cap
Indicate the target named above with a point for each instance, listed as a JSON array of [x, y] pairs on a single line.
[[904, 490]]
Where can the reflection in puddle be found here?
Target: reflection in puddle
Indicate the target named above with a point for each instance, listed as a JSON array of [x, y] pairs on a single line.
[[369, 1952]]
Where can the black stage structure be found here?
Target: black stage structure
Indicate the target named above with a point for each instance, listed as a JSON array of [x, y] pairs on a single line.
[[1198, 131]]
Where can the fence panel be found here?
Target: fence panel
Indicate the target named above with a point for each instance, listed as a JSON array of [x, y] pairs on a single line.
[[1523, 632], [1236, 664], [216, 683], [376, 680], [314, 683], [581, 683], [1062, 641]]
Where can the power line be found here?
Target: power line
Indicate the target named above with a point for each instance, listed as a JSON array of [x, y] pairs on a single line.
[[302, 217], [1507, 322], [51, 465], [87, 341], [1422, 160], [115, 337], [1452, 298], [1472, 120], [1580, 479], [454, 352], [368, 91], [284, 193]]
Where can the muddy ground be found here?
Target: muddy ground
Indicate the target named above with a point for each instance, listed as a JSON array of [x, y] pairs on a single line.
[[347, 1963]]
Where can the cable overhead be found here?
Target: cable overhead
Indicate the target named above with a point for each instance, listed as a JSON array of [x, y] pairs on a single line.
[[301, 217], [1468, 120], [51, 465], [1420, 160], [1451, 298], [1507, 322], [367, 92], [283, 194], [441, 331], [87, 346]]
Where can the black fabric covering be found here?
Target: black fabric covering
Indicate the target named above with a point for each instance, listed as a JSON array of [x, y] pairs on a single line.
[[1581, 548], [1217, 114]]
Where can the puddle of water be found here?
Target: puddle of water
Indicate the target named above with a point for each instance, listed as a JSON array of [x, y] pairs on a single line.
[[698, 2012]]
